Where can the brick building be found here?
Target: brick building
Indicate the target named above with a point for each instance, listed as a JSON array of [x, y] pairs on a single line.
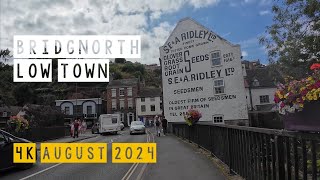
[[121, 96]]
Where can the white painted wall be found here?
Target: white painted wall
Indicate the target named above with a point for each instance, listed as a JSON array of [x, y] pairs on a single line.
[[148, 103], [231, 108], [67, 104], [256, 93], [89, 103]]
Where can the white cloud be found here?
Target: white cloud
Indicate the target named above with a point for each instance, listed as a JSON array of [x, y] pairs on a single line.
[[244, 53], [99, 17], [265, 12]]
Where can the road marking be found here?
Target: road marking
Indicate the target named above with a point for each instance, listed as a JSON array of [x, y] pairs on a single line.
[[27, 177], [133, 166]]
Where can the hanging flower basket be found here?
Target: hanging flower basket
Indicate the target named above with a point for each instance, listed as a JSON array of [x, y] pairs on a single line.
[[299, 102], [192, 117]]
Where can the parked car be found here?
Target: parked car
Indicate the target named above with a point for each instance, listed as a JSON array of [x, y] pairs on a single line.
[[137, 127], [121, 126], [6, 151], [95, 128]]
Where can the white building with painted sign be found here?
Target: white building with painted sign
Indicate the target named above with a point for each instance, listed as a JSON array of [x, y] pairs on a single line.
[[203, 71]]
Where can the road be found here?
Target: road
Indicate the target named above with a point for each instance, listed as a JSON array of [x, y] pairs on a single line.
[[85, 171]]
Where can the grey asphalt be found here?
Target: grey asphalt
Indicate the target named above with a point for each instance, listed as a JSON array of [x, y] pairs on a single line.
[[79, 171], [175, 160], [179, 160]]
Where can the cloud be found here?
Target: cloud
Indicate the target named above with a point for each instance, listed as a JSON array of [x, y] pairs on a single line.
[[244, 53], [265, 12], [89, 17]]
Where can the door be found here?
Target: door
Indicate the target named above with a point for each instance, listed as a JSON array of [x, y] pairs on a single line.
[[130, 118], [6, 152]]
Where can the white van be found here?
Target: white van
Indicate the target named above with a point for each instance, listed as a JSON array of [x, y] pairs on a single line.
[[109, 123]]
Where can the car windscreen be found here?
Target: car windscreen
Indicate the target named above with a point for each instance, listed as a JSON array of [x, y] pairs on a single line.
[[137, 123]]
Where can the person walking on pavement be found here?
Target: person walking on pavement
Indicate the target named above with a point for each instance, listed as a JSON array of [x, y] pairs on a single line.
[[76, 129], [84, 126], [158, 126], [72, 128], [164, 125]]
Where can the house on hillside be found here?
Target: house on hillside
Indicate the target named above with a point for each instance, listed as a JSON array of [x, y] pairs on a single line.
[[148, 104], [260, 87], [120, 96], [88, 109], [6, 112]]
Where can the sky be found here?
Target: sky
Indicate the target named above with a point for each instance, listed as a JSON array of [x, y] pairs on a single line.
[[238, 21]]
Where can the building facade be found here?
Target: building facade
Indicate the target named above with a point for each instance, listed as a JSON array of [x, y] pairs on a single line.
[[260, 87], [86, 109], [121, 96], [203, 71], [148, 105]]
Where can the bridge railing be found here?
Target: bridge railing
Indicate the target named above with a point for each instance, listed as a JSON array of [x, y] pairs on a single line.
[[257, 153]]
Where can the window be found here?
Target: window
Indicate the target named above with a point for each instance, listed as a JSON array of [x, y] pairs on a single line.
[[67, 110], [121, 103], [114, 104], [114, 120], [153, 107], [89, 109], [129, 91], [130, 105], [215, 58], [152, 99], [217, 119], [121, 91], [161, 106], [264, 99], [143, 108], [256, 83], [114, 92], [218, 86], [143, 99]]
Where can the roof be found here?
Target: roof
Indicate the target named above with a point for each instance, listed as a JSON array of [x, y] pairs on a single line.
[[150, 92], [13, 109], [262, 75], [200, 25], [123, 82]]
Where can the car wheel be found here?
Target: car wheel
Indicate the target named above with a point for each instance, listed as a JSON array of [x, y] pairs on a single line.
[[130, 133]]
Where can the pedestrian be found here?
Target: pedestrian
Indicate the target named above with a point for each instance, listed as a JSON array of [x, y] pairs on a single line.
[[84, 126], [158, 126], [164, 125], [80, 126], [76, 129], [72, 128]]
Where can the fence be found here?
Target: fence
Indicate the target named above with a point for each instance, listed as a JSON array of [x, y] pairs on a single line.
[[257, 153]]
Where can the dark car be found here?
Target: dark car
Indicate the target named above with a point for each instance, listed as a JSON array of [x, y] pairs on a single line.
[[95, 128], [6, 151]]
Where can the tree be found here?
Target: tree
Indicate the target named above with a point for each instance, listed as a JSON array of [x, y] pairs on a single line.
[[5, 54], [293, 40], [23, 94]]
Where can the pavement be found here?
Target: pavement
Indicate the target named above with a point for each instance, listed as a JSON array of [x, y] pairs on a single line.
[[69, 139], [177, 159]]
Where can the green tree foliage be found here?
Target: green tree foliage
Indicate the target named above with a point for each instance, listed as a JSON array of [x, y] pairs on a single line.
[[293, 40], [24, 94], [5, 54]]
